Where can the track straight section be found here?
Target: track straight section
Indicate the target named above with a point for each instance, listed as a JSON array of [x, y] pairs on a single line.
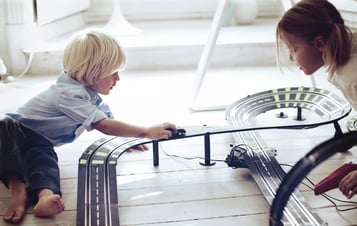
[[97, 201], [260, 159]]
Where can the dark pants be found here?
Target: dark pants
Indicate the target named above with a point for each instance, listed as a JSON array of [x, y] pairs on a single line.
[[28, 156]]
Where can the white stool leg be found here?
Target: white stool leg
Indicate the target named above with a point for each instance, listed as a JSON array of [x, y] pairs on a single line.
[[207, 52], [117, 24]]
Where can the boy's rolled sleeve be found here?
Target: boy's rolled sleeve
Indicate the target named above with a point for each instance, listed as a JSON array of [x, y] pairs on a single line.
[[82, 111]]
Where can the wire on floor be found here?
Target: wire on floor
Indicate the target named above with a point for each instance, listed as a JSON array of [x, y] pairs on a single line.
[[235, 160], [329, 197], [184, 157]]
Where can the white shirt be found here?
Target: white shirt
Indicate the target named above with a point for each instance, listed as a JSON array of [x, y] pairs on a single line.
[[345, 78]]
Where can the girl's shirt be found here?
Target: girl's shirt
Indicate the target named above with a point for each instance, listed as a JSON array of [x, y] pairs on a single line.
[[63, 111], [345, 78]]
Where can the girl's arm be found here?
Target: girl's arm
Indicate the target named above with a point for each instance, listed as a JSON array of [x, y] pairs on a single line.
[[117, 128]]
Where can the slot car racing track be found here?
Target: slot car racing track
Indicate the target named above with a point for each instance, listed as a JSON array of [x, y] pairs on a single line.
[[97, 201]]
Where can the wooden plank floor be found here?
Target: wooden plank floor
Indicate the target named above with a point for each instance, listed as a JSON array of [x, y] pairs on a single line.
[[180, 191]]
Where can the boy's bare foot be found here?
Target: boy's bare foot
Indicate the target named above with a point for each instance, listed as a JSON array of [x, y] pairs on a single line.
[[18, 201], [48, 204]]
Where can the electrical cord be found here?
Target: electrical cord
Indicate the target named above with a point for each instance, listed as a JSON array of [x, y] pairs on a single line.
[[302, 167], [186, 158], [328, 197], [235, 159], [5, 77]]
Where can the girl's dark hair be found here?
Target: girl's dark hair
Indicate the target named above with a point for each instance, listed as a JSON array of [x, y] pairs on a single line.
[[311, 18]]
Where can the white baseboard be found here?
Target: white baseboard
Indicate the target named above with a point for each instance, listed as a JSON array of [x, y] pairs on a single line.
[[170, 9]]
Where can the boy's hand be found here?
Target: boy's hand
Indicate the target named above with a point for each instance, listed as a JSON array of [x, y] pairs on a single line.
[[141, 147], [161, 131]]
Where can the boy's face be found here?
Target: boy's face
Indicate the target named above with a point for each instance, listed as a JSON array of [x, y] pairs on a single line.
[[104, 85]]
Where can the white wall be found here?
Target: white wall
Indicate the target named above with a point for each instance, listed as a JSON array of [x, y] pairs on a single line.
[[3, 41], [169, 9], [19, 33], [348, 9]]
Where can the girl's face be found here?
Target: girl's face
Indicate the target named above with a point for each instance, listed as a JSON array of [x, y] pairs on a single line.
[[104, 85], [306, 55]]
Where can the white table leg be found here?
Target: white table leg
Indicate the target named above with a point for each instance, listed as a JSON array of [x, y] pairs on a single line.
[[117, 24], [207, 51]]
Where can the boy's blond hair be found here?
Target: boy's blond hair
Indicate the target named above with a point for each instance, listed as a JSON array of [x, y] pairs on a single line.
[[91, 55]]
